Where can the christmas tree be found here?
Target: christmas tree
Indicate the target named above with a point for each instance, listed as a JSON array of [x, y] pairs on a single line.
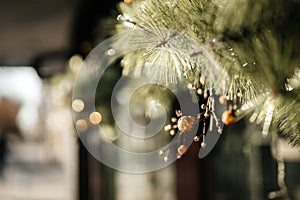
[[233, 59], [244, 51]]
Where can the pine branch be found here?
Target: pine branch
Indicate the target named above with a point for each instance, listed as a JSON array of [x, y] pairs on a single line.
[[250, 47]]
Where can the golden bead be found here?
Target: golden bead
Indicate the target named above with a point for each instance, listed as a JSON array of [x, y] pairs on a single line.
[[168, 127], [178, 113], [203, 145], [182, 149], [200, 91], [166, 158], [234, 107], [174, 119], [228, 117], [206, 114], [172, 132], [223, 100], [186, 123], [190, 86], [202, 80], [196, 138], [205, 95]]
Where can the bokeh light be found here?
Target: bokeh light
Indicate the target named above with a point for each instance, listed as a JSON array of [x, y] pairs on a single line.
[[75, 62], [95, 118], [78, 105], [81, 125]]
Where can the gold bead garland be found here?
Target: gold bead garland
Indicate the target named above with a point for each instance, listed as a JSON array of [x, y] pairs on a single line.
[[183, 124]]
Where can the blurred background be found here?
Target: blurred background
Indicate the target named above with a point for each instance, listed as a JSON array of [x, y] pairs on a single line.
[[42, 45]]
